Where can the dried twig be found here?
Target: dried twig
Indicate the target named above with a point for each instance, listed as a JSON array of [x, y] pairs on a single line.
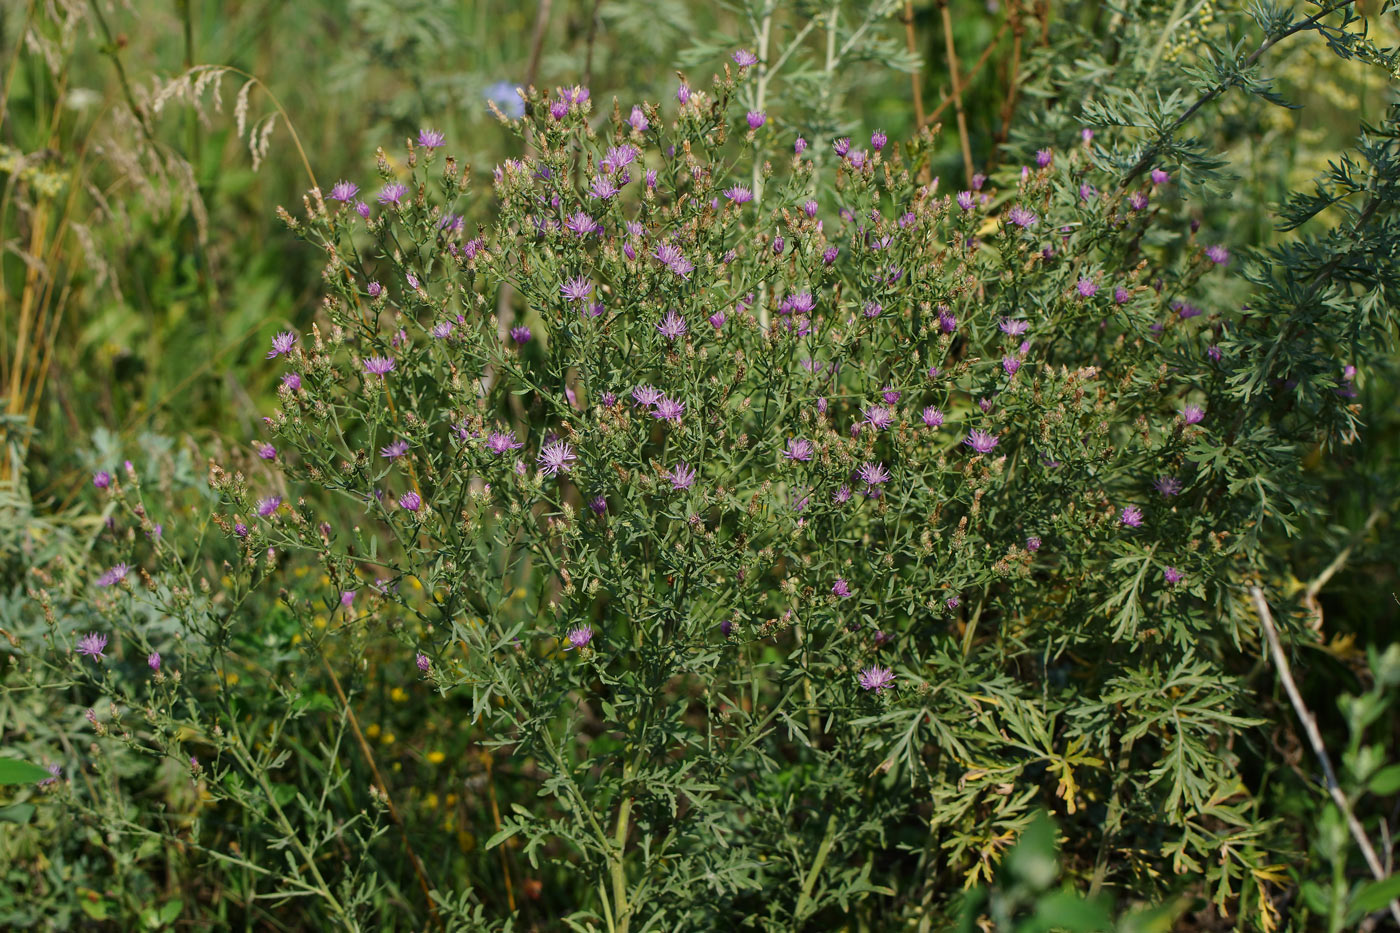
[[957, 89], [916, 79], [1305, 716]]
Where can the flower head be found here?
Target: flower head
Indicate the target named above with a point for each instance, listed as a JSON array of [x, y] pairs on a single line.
[[672, 326], [153, 660], [1013, 328], [1173, 576], [392, 193], [681, 476], [981, 441], [344, 191], [1021, 217], [878, 417], [744, 58], [668, 409], [876, 678], [841, 588], [933, 418], [395, 450], [499, 443], [555, 456], [1218, 255], [798, 448], [578, 637], [520, 334], [576, 289], [1168, 486], [874, 474], [266, 451], [430, 139], [411, 501], [756, 118], [638, 120], [282, 343], [269, 505], [92, 645], [646, 395], [1087, 287], [1131, 516], [1193, 414], [379, 365], [738, 194]]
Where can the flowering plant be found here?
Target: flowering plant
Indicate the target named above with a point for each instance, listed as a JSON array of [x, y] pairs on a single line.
[[790, 525]]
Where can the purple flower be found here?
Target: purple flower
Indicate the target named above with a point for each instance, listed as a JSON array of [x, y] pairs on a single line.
[[102, 479], [646, 395], [240, 529], [347, 598], [1033, 543], [681, 476], [114, 576], [890, 394], [744, 58], [269, 505], [578, 637], [379, 365], [1120, 295], [717, 320], [1218, 255], [1137, 201], [947, 321], [952, 602], [650, 178], [422, 661], [554, 457], [778, 246], [638, 120], [799, 146], [392, 193], [153, 660], [498, 443], [1173, 576], [981, 441], [672, 326], [1087, 288], [841, 495], [933, 418], [738, 194], [581, 223], [965, 200], [876, 678], [576, 289], [878, 417], [756, 119], [1159, 177], [442, 330], [1021, 217], [602, 188], [344, 191], [618, 158], [1193, 414], [1010, 364], [1086, 192], [362, 209], [842, 146], [410, 501], [374, 289], [394, 450], [92, 645], [1131, 516], [282, 343], [1167, 485], [878, 140], [841, 588], [1043, 157], [1013, 328], [520, 334], [266, 451], [668, 409], [683, 93], [430, 139], [799, 448], [829, 254], [874, 474], [1214, 353]]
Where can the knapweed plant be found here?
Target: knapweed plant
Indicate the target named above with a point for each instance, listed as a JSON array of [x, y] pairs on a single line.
[[772, 529]]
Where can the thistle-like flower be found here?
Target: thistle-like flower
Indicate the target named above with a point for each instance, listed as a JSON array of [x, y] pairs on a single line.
[[578, 637], [799, 448], [379, 365], [555, 456], [395, 450], [981, 441], [1131, 516], [681, 476], [393, 193], [430, 139], [114, 576], [672, 326], [876, 678], [411, 501], [269, 505], [499, 443], [93, 645], [344, 191], [668, 409], [282, 343]]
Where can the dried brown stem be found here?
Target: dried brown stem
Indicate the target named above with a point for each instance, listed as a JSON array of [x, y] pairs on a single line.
[[957, 89], [1305, 716]]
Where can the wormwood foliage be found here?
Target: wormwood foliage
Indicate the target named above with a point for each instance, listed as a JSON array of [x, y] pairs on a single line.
[[791, 528]]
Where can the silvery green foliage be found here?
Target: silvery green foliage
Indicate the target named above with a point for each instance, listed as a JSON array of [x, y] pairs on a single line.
[[794, 529]]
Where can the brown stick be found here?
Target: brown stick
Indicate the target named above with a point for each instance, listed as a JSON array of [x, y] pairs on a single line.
[[1008, 107], [957, 90], [537, 43], [383, 789], [1305, 716], [967, 78], [916, 78]]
